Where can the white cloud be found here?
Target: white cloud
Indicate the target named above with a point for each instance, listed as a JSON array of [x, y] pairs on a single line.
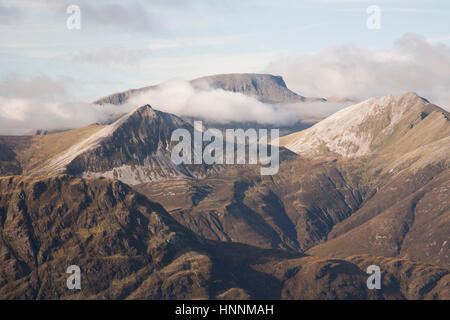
[[411, 64], [18, 116], [180, 98], [45, 103], [15, 85], [220, 106]]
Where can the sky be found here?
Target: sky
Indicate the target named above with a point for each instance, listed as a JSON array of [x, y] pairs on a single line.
[[320, 47]]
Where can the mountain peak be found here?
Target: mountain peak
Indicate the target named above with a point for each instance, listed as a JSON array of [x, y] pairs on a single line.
[[256, 78], [267, 88], [375, 125], [413, 95], [145, 107], [407, 99], [135, 149]]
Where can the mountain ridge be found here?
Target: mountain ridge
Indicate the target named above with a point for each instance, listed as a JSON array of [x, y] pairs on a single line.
[[368, 127]]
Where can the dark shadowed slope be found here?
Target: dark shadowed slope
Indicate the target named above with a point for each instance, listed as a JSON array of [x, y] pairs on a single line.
[[129, 248]]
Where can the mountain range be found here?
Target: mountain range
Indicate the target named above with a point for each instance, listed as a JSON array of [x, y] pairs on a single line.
[[130, 248], [265, 88], [368, 185]]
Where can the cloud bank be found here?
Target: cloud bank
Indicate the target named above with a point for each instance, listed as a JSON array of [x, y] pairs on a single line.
[[216, 105], [28, 104], [44, 103], [411, 64], [220, 106]]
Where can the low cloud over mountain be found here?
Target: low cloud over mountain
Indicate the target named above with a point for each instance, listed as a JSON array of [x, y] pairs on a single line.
[[30, 103], [45, 103]]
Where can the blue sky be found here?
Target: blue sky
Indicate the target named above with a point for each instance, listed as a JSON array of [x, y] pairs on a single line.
[[126, 44]]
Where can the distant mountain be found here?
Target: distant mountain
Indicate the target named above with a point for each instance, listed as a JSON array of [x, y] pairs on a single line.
[[128, 247], [397, 123], [344, 100], [264, 87]]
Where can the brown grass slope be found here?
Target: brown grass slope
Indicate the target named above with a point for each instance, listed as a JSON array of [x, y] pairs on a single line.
[[294, 209], [415, 226], [32, 153]]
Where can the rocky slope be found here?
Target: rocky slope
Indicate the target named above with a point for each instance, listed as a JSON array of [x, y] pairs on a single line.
[[9, 165], [128, 247]]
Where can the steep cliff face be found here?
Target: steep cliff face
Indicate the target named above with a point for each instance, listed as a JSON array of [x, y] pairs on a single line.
[[9, 165], [100, 225]]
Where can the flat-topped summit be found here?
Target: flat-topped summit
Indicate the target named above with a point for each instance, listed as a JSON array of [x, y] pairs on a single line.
[[264, 87]]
